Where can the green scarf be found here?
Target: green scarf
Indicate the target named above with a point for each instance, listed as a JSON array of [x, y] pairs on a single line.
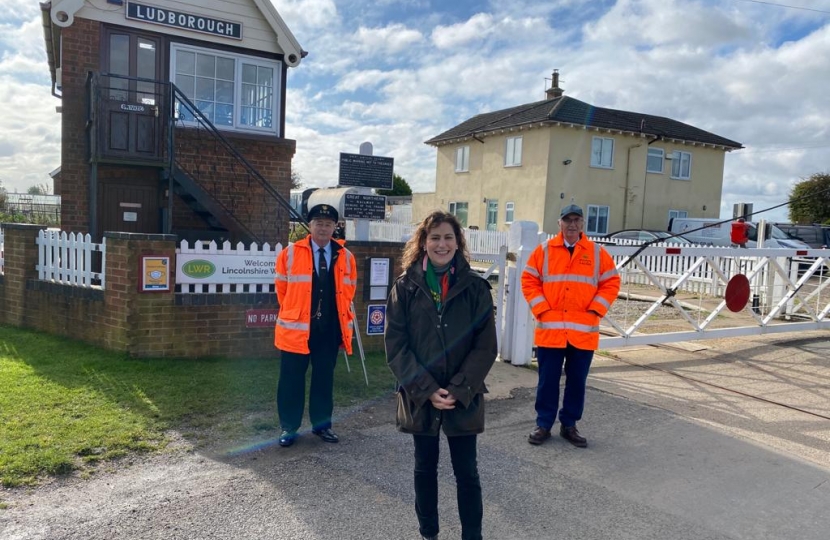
[[438, 286]]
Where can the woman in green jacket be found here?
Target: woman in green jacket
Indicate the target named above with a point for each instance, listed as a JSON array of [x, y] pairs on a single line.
[[440, 344]]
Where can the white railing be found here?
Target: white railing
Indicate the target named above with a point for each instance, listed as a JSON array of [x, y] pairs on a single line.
[[236, 269], [383, 231], [479, 241], [68, 259], [2, 251], [664, 269]]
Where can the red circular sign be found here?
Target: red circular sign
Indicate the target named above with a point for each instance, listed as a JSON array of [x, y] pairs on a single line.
[[376, 316], [737, 293]]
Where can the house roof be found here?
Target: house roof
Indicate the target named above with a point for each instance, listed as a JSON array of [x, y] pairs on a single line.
[[569, 111]]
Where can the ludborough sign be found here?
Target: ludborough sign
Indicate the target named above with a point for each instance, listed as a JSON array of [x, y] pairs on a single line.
[[186, 21]]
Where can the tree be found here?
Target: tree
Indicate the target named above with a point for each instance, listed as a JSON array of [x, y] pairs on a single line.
[[38, 189], [296, 180], [810, 200], [400, 188]]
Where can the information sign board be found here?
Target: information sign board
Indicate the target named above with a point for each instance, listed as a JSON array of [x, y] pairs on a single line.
[[365, 171], [356, 206]]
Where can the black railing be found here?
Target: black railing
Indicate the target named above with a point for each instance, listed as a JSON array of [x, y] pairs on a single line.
[[189, 144], [205, 130]]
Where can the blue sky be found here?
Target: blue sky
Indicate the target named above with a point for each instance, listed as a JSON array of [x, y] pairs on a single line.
[[397, 72]]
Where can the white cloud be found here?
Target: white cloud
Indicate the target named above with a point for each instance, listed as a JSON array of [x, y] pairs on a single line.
[[479, 26], [356, 80], [307, 15], [29, 134], [386, 40], [20, 10]]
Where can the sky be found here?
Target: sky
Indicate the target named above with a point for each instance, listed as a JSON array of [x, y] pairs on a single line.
[[398, 72]]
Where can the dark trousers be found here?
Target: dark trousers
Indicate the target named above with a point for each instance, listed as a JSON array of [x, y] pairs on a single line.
[[291, 387], [468, 486], [577, 363]]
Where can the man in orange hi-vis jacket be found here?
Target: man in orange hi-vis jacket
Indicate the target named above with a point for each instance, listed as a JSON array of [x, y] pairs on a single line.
[[315, 281], [570, 283]]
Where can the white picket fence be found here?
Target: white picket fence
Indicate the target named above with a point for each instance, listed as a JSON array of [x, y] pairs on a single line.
[[478, 241], [664, 269], [213, 252], [67, 259]]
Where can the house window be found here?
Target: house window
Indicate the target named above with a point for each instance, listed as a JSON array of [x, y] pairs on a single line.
[[492, 214], [602, 152], [459, 210], [597, 220], [681, 165], [233, 91], [462, 159], [654, 162], [513, 152], [677, 214], [508, 212]]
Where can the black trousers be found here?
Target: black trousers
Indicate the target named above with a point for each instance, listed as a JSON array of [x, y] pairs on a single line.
[[291, 387], [468, 485]]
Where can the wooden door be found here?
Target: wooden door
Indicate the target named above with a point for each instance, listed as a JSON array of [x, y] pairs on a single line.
[[131, 96], [129, 207]]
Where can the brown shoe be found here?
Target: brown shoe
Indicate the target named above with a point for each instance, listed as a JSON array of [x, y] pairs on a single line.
[[571, 434], [538, 435]]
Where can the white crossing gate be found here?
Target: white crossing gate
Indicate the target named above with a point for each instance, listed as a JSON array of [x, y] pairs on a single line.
[[789, 292]]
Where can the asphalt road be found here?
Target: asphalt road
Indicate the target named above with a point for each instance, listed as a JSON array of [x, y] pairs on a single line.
[[668, 458]]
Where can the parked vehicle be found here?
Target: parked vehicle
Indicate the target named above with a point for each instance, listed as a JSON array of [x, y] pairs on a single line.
[[718, 233], [815, 236], [641, 236]]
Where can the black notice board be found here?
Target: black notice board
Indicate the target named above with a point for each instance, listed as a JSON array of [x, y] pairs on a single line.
[[365, 171], [356, 206]]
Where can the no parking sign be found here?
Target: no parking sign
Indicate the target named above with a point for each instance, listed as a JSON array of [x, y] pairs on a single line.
[[376, 319]]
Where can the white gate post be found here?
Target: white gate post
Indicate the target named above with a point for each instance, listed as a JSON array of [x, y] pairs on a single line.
[[522, 240]]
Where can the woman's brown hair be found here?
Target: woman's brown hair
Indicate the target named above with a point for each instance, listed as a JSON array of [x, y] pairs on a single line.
[[413, 251]]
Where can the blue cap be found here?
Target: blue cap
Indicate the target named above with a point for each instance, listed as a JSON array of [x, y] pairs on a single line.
[[570, 209], [323, 211]]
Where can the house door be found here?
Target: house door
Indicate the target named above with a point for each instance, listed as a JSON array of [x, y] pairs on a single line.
[[131, 96], [129, 207], [492, 215]]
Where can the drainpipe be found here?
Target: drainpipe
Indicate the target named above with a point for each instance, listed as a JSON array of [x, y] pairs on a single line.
[[627, 171], [645, 183]]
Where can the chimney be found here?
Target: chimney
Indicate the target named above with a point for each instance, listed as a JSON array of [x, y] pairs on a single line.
[[554, 91]]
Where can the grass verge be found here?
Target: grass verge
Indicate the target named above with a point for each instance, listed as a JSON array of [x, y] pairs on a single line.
[[65, 405]]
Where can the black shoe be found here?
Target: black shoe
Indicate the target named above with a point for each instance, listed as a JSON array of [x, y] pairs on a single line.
[[327, 435], [571, 434], [287, 438], [538, 435], [430, 537]]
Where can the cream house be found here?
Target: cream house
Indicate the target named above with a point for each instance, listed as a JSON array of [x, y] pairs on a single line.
[[626, 169]]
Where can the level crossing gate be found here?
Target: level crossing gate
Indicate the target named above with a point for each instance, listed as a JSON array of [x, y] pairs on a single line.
[[672, 293]]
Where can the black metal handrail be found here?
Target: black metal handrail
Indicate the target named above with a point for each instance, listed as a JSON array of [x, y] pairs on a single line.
[[177, 94]]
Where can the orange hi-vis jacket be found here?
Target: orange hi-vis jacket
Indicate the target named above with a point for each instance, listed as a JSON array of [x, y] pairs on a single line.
[[295, 264], [563, 290]]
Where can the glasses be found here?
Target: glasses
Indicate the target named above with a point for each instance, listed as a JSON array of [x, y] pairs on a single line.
[[571, 220]]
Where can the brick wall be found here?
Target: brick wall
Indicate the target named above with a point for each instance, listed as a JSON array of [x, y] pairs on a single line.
[[80, 46], [161, 324], [363, 251], [218, 172]]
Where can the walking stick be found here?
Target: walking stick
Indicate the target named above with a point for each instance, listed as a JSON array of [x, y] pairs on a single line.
[[360, 345], [346, 357]]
